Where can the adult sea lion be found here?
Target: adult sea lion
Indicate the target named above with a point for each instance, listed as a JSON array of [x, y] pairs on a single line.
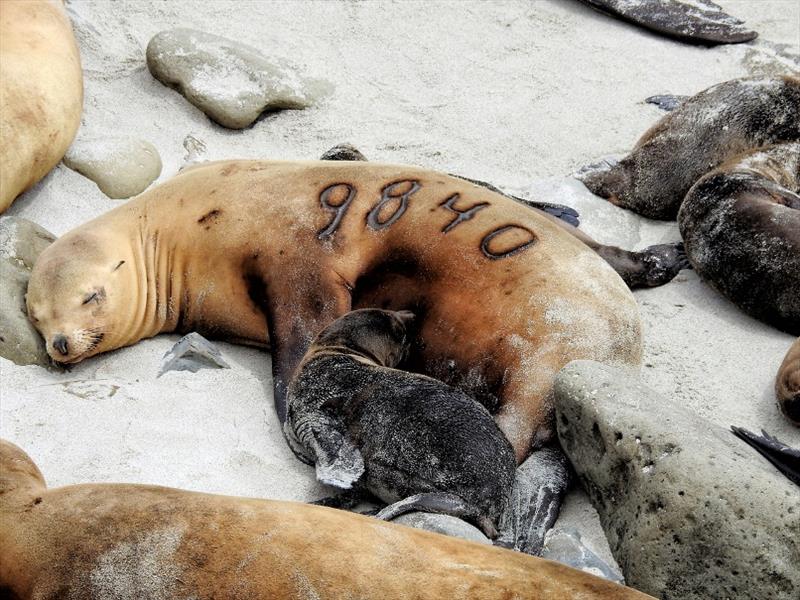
[[741, 229], [236, 249], [409, 440], [41, 92], [140, 541], [787, 384]]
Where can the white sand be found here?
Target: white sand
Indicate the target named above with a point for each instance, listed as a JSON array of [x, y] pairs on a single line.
[[519, 93]]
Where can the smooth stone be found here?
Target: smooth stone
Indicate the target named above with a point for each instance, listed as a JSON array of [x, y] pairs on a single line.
[[565, 546], [689, 510], [191, 353], [21, 242], [229, 81], [121, 167], [444, 524]]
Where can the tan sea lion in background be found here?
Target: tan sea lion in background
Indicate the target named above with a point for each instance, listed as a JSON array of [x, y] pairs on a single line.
[[140, 541], [787, 384], [41, 92]]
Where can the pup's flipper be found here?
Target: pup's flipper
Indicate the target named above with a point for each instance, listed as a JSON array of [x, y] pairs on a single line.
[[785, 458], [666, 102], [441, 503], [539, 487]]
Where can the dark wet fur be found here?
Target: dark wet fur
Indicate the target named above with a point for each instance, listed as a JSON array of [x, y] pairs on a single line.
[[742, 235], [415, 434]]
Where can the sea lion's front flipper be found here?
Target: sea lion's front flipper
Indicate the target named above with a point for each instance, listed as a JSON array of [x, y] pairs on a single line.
[[539, 487], [785, 458], [441, 503], [338, 462], [667, 102]]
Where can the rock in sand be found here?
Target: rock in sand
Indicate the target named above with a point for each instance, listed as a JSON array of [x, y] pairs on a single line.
[[689, 511], [231, 82], [21, 242], [191, 353], [120, 166]]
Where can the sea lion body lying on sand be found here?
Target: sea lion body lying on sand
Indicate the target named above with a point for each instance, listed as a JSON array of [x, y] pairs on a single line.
[[402, 437], [41, 92], [140, 541], [787, 384], [236, 249]]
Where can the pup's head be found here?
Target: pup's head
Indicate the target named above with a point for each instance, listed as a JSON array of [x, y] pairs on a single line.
[[381, 335], [76, 287]]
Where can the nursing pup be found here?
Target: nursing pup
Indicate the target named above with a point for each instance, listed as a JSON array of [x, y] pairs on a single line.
[[403, 437]]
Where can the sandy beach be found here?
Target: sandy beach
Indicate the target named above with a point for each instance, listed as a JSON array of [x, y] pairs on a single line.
[[516, 93]]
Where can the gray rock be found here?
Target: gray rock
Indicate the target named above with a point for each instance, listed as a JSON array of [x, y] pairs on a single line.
[[565, 546], [231, 82], [120, 166], [444, 524], [191, 353], [690, 511], [21, 242]]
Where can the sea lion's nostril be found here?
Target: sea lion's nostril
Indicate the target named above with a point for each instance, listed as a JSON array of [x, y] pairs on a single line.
[[60, 344]]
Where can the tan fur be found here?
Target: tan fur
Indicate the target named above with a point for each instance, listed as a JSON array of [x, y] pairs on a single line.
[[41, 92], [140, 541], [201, 249], [787, 384]]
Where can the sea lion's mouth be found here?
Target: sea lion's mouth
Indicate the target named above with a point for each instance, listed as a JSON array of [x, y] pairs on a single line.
[[94, 339]]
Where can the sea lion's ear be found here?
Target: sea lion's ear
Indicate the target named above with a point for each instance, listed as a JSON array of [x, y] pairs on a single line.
[[119, 264]]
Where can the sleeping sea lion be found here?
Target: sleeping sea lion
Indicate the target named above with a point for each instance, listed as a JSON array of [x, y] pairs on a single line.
[[741, 229], [145, 542], [41, 92], [701, 134], [272, 252], [787, 384], [403, 437]]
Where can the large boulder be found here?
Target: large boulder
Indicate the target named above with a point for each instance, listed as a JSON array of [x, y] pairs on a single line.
[[690, 511], [229, 81]]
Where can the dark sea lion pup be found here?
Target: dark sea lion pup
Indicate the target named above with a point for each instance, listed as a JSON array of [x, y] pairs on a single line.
[[403, 437]]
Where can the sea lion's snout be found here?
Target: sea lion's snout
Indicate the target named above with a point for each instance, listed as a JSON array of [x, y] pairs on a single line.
[[60, 344]]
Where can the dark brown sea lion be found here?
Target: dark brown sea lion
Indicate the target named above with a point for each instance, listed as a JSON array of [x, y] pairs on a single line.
[[140, 542], [409, 440], [787, 384], [704, 132], [41, 92], [741, 229], [695, 21]]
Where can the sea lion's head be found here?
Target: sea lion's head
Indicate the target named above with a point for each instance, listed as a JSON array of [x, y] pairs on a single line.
[[379, 335], [78, 288], [17, 471]]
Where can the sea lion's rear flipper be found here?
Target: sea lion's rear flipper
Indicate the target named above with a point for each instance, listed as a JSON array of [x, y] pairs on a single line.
[[695, 21], [441, 503], [559, 211], [785, 458], [667, 102], [539, 487], [347, 500]]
